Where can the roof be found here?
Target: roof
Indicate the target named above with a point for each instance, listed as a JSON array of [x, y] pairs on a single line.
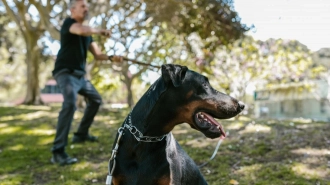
[[52, 98], [51, 82]]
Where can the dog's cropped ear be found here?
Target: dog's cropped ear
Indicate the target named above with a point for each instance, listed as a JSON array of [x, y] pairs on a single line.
[[174, 73]]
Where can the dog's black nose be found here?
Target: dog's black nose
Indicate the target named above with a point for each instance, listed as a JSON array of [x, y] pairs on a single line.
[[241, 105]]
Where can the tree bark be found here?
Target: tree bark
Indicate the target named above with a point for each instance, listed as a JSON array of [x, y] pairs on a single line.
[[33, 96], [130, 100]]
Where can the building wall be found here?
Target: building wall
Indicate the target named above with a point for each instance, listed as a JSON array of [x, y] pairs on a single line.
[[286, 109], [322, 57]]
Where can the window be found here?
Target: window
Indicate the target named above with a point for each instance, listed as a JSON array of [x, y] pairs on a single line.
[[297, 106], [323, 104], [51, 89], [282, 107]]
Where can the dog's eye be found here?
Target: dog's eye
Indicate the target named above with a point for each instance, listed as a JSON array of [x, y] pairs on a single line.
[[205, 85], [202, 89]]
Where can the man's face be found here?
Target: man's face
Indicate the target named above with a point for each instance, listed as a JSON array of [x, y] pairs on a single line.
[[80, 10]]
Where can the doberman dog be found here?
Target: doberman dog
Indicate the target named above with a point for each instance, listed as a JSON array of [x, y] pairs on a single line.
[[147, 153]]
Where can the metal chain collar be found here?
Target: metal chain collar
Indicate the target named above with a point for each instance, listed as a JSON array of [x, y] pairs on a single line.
[[138, 135]]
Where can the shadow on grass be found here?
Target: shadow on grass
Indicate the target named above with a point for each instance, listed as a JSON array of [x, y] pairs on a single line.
[[261, 152]]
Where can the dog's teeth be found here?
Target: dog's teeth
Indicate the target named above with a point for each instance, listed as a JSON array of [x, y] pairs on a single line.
[[202, 115]]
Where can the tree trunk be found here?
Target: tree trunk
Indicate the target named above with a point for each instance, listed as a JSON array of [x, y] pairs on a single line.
[[33, 96], [130, 101]]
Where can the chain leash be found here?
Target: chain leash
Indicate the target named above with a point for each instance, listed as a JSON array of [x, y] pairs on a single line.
[[113, 157]]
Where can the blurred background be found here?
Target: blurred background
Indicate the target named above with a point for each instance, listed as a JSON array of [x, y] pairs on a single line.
[[273, 55]]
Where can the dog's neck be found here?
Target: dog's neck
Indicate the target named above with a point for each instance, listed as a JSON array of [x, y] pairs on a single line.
[[149, 115], [153, 125]]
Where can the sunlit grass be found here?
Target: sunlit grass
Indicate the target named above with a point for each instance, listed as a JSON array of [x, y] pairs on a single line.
[[252, 128], [80, 166], [235, 125], [2, 125], [16, 147], [10, 130], [39, 132], [14, 179], [29, 116], [250, 171], [45, 141], [309, 172], [35, 107], [312, 152]]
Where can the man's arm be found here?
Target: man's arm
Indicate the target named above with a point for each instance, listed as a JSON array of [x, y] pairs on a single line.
[[96, 51], [98, 55], [79, 29]]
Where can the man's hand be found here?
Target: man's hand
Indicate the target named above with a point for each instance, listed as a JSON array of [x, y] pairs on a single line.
[[106, 33], [116, 58]]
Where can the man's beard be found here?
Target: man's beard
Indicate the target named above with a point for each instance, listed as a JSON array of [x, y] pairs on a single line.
[[86, 16]]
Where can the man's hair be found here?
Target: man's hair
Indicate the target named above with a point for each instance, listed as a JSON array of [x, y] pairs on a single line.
[[73, 3]]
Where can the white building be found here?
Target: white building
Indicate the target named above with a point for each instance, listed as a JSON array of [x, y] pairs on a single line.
[[294, 100]]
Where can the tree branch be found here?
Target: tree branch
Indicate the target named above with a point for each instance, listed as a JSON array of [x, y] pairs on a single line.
[[18, 18], [45, 17]]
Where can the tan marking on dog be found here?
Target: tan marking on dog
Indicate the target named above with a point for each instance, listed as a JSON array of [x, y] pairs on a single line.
[[189, 94], [165, 180], [187, 111], [117, 180]]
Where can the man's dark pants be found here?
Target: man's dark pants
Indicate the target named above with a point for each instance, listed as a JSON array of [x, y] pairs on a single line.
[[70, 86]]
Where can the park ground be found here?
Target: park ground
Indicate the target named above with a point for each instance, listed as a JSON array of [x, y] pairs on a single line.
[[256, 152]]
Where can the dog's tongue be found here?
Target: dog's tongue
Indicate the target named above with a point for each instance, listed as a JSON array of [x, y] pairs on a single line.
[[214, 122]]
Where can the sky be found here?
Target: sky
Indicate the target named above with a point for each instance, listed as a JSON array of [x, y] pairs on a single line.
[[307, 21]]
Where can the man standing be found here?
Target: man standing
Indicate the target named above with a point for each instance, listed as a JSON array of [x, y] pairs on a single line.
[[69, 73]]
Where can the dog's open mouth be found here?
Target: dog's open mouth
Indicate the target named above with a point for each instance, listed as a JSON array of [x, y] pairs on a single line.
[[209, 126]]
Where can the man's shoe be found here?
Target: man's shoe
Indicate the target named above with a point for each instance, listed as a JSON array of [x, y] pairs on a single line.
[[81, 139], [63, 159]]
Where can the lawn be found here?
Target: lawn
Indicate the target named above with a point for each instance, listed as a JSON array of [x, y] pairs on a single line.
[[256, 152]]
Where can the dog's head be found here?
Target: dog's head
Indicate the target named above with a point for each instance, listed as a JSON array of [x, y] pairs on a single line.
[[201, 103], [182, 95]]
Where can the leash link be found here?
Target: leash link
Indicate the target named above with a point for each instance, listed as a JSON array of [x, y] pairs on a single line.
[[113, 158], [214, 153]]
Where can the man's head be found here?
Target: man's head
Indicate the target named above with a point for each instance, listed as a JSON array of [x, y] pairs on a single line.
[[79, 10]]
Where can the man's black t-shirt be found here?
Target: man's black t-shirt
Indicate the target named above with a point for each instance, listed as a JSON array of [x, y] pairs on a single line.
[[73, 52]]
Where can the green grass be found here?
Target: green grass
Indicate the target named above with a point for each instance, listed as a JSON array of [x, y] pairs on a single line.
[[259, 152]]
